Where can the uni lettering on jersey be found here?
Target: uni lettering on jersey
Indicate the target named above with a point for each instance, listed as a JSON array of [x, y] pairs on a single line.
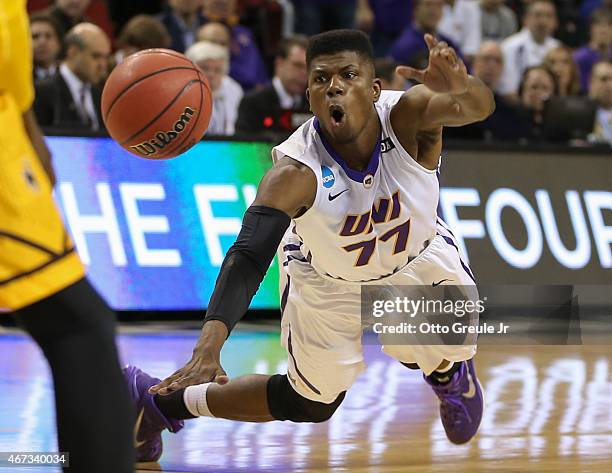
[[388, 209]]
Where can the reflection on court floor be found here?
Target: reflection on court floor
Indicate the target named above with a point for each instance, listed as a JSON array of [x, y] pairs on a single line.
[[548, 409]]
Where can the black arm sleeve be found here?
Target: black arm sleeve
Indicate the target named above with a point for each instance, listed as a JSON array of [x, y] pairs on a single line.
[[246, 263]]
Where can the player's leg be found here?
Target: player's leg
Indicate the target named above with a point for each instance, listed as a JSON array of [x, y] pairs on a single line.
[[250, 398], [325, 358], [76, 332], [448, 369]]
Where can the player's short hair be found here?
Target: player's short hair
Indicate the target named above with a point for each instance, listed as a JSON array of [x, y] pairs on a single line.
[[285, 46], [337, 41]]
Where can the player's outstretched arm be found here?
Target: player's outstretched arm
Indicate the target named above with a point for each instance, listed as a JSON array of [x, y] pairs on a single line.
[[448, 96], [286, 191]]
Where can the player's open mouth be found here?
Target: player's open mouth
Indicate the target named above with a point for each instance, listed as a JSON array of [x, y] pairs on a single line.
[[337, 115]]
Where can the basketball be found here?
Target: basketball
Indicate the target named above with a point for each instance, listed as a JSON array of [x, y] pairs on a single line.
[[156, 104]]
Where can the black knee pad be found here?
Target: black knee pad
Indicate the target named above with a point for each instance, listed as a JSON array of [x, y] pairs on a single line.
[[286, 404]]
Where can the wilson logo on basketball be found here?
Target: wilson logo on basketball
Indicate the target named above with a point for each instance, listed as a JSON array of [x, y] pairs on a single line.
[[163, 138]]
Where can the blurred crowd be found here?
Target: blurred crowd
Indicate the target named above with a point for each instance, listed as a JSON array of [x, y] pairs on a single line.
[[548, 62]]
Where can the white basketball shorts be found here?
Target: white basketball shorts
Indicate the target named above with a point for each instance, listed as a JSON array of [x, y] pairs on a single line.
[[321, 319]]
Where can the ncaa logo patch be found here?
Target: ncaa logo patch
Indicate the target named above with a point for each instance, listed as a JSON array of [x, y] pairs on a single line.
[[328, 177]]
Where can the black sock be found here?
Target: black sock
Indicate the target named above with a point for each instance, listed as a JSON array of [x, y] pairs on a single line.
[[446, 376], [173, 405]]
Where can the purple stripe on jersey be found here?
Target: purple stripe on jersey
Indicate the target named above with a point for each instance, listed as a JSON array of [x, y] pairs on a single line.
[[355, 175], [450, 241], [291, 247], [285, 296], [467, 270], [442, 224], [291, 258], [302, 377]]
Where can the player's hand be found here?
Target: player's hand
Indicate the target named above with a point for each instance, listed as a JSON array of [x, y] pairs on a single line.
[[204, 366], [445, 73]]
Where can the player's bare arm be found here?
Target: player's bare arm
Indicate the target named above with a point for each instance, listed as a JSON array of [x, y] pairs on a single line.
[[447, 96], [289, 186], [289, 189]]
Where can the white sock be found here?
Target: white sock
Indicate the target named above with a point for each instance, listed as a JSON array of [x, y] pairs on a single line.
[[195, 400]]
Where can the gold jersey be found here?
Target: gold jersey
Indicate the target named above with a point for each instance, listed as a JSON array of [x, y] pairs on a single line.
[[37, 257]]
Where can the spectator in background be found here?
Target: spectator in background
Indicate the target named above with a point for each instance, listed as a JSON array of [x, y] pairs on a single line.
[[410, 48], [213, 59], [246, 63], [315, 16], [537, 86], [385, 71], [141, 32], [182, 19], [72, 97], [489, 64], [282, 106], [384, 20], [599, 47], [46, 45], [561, 63], [506, 122], [461, 23], [529, 46], [68, 13], [497, 20], [217, 33], [601, 91]]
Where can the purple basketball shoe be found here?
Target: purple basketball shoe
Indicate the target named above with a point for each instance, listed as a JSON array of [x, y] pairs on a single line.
[[150, 422], [461, 403]]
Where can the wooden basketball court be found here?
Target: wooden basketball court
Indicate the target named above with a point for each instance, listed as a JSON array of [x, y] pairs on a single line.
[[549, 409]]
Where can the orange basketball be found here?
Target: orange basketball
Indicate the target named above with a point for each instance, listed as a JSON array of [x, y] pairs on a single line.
[[156, 104]]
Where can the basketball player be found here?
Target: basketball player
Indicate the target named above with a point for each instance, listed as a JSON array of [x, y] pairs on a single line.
[[42, 279], [332, 170]]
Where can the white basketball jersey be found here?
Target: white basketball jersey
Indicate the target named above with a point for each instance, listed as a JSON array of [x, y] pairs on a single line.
[[363, 224]]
